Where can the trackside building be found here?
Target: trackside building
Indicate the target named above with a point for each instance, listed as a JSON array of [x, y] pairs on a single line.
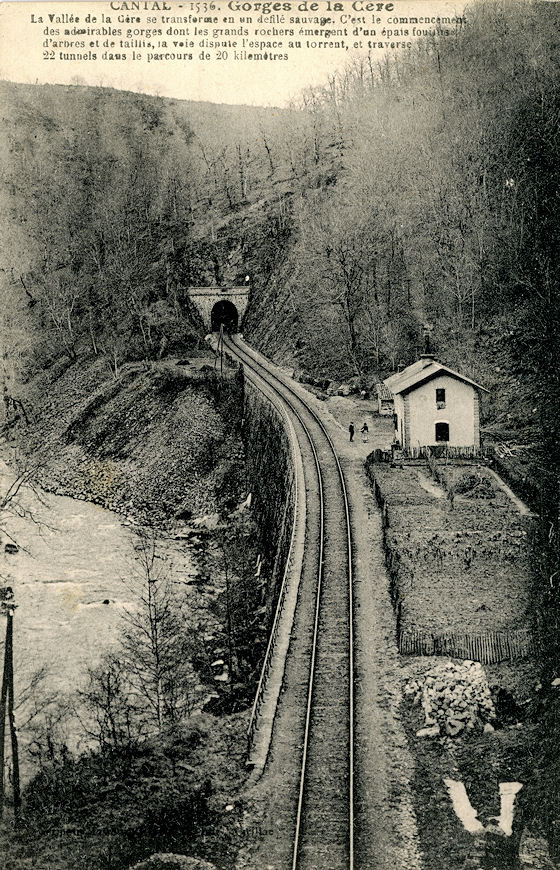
[[435, 405]]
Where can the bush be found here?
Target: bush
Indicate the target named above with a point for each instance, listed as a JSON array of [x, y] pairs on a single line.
[[474, 485], [109, 810]]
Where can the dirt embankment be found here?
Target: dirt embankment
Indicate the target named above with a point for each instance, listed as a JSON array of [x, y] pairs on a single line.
[[161, 442]]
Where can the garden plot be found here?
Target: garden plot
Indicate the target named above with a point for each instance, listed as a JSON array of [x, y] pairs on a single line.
[[459, 565]]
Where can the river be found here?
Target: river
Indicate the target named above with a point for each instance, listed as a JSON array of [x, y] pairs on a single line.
[[69, 580]]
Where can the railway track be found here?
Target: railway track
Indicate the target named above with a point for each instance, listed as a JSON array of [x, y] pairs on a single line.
[[322, 651]]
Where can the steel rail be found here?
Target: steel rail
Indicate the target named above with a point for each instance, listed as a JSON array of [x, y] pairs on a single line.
[[257, 367], [321, 503]]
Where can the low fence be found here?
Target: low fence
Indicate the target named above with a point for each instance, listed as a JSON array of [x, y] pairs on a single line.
[[445, 451], [438, 451], [488, 648]]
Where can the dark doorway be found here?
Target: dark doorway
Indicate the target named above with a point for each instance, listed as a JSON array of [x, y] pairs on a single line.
[[224, 313], [442, 432]]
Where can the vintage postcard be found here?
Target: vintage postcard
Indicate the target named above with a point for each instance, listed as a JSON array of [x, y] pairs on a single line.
[[279, 462]]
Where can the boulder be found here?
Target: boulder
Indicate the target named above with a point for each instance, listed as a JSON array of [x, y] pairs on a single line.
[[432, 731], [453, 693], [454, 727], [209, 521]]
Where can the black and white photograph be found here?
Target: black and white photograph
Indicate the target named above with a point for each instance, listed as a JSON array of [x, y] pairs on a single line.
[[280, 435]]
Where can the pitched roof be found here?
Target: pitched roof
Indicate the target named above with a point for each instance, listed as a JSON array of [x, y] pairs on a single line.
[[424, 370]]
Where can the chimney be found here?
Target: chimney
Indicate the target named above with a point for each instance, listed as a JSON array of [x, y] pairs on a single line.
[[400, 367], [428, 354]]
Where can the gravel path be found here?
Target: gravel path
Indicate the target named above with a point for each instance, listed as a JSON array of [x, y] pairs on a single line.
[[385, 822]]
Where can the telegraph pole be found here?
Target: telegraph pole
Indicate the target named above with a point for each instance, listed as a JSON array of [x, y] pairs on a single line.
[[7, 607]]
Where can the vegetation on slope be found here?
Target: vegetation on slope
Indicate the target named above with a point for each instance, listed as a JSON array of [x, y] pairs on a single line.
[[397, 196], [403, 195]]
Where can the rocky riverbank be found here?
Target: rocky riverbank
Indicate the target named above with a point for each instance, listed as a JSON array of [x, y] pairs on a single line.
[[161, 448]]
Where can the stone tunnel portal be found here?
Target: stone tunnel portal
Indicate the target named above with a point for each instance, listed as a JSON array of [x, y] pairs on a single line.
[[224, 313], [220, 306]]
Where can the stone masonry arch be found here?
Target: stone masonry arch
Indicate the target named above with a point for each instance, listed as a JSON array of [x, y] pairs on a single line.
[[215, 299]]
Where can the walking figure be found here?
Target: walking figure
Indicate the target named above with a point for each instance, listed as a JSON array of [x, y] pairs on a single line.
[[351, 430], [365, 432]]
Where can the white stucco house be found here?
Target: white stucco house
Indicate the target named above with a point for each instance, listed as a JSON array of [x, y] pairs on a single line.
[[434, 405]]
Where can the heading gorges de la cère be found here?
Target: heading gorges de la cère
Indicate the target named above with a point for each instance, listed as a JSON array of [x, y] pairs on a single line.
[[262, 6], [234, 5]]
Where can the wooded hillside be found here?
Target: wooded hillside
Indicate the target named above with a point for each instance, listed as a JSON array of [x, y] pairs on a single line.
[[420, 192]]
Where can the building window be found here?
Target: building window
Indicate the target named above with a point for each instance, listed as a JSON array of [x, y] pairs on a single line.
[[440, 398], [442, 432]]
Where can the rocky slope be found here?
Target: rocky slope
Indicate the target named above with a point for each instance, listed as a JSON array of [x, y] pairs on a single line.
[[160, 442]]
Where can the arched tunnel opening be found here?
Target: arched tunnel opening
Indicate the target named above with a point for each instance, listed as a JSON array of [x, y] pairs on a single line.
[[224, 313]]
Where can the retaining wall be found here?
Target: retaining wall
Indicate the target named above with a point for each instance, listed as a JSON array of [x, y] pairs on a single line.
[[270, 472]]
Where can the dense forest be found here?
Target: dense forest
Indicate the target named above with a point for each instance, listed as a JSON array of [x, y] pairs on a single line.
[[399, 195], [409, 195]]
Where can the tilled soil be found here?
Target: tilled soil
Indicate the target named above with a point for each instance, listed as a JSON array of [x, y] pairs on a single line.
[[462, 568]]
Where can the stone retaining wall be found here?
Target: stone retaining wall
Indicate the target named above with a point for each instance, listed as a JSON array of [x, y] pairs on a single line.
[[270, 473]]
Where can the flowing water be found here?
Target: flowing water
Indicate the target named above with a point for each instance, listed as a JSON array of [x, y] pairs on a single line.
[[69, 581], [73, 556]]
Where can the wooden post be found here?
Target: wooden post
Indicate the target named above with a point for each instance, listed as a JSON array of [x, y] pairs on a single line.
[[3, 697], [9, 656], [7, 608]]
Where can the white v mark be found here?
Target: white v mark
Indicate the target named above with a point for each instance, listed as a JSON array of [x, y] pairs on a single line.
[[468, 816]]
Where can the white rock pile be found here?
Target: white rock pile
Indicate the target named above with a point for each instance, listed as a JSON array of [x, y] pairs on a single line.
[[455, 698]]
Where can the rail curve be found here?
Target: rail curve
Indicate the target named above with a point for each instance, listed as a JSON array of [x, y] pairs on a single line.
[[323, 835]]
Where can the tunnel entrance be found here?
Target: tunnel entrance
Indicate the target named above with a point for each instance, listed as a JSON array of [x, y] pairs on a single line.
[[224, 313]]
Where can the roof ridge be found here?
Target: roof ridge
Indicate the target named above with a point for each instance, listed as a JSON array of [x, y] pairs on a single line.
[[407, 379]]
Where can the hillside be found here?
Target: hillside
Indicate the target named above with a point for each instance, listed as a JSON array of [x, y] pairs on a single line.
[[395, 202], [387, 203], [158, 444]]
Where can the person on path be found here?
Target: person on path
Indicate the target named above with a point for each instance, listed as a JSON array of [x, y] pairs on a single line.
[[365, 432], [351, 430]]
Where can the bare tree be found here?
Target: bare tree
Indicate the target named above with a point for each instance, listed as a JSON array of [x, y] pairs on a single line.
[[108, 711], [156, 648], [20, 493]]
